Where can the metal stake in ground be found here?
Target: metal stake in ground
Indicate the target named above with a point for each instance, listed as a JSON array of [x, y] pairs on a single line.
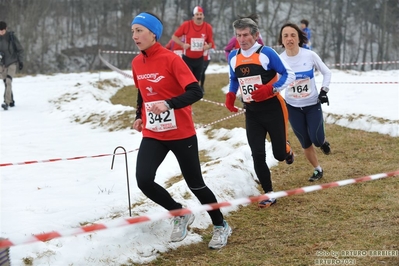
[[127, 176]]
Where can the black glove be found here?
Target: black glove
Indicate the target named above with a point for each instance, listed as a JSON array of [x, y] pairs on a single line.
[[323, 97], [21, 65]]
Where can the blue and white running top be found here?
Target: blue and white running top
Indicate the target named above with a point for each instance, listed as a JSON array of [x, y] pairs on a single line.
[[303, 91]]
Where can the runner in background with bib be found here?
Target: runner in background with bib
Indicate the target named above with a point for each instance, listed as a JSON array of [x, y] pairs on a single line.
[[166, 91], [198, 37], [260, 74], [303, 100]]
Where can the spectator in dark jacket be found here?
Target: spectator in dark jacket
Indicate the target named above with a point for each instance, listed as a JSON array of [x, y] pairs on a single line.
[[11, 57]]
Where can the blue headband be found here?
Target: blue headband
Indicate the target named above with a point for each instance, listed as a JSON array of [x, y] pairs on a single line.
[[150, 22]]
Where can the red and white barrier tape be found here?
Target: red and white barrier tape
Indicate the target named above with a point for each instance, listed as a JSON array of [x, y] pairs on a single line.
[[117, 52], [366, 82], [113, 67], [343, 82], [275, 46], [207, 207], [223, 119], [64, 159], [365, 63], [136, 52], [221, 104]]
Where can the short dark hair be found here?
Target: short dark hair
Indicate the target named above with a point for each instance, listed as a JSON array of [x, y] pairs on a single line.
[[301, 35], [3, 25], [305, 21]]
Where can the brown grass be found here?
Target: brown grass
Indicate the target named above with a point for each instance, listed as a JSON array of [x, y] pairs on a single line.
[[300, 229]]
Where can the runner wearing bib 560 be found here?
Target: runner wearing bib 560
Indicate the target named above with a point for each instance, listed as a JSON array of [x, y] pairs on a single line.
[[254, 70]]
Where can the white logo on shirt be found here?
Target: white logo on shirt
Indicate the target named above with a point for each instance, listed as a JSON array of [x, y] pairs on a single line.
[[150, 91], [151, 77], [156, 80]]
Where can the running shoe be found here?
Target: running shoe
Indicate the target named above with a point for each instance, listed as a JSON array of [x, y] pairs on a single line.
[[325, 148], [180, 224], [220, 236], [267, 203], [316, 175], [4, 106]]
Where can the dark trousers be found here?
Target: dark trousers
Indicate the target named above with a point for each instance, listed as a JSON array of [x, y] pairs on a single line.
[[196, 65], [151, 154], [7, 74], [202, 82], [268, 117]]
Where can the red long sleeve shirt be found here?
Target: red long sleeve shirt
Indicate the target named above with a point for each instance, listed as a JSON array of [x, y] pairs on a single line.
[[160, 74]]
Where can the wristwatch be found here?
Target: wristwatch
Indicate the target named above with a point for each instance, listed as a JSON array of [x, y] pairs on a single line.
[[326, 89], [274, 90]]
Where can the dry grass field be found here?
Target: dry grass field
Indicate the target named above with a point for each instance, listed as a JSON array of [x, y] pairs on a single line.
[[305, 229]]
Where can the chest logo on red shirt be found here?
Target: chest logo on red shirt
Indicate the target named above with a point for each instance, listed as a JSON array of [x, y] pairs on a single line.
[[150, 91]]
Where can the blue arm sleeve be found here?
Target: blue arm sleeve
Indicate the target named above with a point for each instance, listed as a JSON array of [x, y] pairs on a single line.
[[233, 85]]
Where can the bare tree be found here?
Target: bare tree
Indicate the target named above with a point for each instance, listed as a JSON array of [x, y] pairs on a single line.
[[65, 35]]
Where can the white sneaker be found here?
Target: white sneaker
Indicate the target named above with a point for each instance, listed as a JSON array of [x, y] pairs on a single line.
[[180, 224], [220, 236]]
